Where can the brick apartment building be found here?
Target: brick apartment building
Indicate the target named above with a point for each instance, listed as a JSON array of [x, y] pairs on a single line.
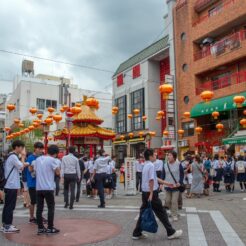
[[210, 49]]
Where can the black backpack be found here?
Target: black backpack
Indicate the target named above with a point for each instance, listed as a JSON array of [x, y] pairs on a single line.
[[4, 180]]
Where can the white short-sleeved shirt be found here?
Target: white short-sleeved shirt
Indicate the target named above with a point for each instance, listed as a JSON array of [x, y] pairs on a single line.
[[241, 165], [139, 166], [110, 168], [101, 164], [45, 167], [158, 165], [149, 173], [112, 163], [13, 181], [91, 166]]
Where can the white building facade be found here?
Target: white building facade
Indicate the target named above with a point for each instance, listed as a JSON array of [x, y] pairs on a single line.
[[136, 86], [44, 91]]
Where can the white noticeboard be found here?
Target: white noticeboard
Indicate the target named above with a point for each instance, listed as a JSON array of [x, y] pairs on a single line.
[[130, 176]]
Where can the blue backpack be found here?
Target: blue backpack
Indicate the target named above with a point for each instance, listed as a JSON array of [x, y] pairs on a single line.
[[227, 169], [207, 164]]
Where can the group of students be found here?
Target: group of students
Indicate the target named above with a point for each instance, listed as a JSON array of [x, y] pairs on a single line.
[[42, 178]]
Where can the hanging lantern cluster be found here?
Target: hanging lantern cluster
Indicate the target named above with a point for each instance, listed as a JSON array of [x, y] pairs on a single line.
[[165, 90], [75, 110], [92, 103], [239, 100], [115, 110], [51, 110], [207, 96]]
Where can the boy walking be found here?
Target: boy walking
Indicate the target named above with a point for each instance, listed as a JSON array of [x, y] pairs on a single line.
[[150, 193], [45, 168]]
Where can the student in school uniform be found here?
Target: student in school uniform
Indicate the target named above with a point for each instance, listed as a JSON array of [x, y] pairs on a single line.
[[150, 194], [241, 173], [139, 169]]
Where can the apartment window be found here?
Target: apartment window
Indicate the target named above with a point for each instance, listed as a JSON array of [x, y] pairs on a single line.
[[136, 71], [171, 121], [51, 103], [137, 102], [121, 116], [41, 104], [188, 128], [120, 79]]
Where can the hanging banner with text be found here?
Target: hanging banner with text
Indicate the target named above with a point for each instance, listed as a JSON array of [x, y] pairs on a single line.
[[130, 176]]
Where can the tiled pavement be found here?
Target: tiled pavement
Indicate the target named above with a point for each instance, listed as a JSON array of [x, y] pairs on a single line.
[[216, 220]]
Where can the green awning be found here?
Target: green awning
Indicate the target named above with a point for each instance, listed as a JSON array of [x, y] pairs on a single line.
[[235, 140], [220, 104]]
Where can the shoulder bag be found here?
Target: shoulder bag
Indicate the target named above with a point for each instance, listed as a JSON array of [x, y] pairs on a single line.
[[181, 188]]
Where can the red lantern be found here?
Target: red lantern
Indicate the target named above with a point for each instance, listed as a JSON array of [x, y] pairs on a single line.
[[69, 113], [160, 113], [129, 116], [219, 127], [65, 107], [165, 133], [31, 127], [57, 118], [165, 90], [207, 96], [131, 135], [140, 134], [10, 107], [136, 111], [181, 132], [48, 121], [33, 110], [239, 100], [7, 129], [243, 123], [50, 110], [122, 137], [40, 116], [115, 110], [76, 110], [187, 115], [215, 115], [198, 130]]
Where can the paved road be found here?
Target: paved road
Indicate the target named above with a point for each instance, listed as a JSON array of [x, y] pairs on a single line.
[[216, 220]]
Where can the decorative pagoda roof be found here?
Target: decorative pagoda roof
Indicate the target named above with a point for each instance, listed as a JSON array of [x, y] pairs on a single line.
[[87, 130], [87, 115]]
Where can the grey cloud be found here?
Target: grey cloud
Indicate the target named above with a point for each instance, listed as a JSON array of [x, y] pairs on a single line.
[[100, 33]]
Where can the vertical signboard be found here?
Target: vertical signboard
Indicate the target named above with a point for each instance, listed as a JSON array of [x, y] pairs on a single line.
[[130, 176]]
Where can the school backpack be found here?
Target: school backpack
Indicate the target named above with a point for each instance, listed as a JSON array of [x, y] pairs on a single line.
[[4, 180], [207, 164], [227, 168]]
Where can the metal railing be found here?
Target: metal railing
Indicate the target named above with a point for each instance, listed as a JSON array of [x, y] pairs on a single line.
[[218, 9], [232, 79], [225, 45]]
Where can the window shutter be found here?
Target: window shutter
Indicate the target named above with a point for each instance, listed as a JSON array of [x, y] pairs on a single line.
[[136, 71], [120, 79]]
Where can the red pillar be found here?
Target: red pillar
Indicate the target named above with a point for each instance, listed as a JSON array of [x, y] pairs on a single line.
[[91, 150], [45, 142]]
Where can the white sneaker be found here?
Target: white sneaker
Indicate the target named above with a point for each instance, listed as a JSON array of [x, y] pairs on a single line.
[[1, 229], [176, 234], [142, 236], [10, 229], [96, 198], [242, 190], [88, 196]]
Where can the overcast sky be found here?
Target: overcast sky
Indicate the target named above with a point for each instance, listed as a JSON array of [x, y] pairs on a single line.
[[97, 33]]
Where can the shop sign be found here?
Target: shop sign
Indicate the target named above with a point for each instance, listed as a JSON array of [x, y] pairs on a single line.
[[130, 176], [91, 140], [136, 140]]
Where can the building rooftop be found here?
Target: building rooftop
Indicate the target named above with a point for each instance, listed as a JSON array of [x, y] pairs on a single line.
[[142, 55]]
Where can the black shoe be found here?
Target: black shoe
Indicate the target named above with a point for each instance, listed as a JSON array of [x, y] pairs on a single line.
[[42, 231], [71, 207], [101, 206], [66, 205], [52, 231], [77, 200]]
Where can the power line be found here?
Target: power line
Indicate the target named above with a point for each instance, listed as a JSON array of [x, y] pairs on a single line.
[[57, 61]]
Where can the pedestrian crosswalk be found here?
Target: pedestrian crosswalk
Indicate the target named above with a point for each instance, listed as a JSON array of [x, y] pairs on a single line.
[[191, 218]]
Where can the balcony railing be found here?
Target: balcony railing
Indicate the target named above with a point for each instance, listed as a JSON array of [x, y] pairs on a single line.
[[227, 44], [233, 79], [200, 5], [218, 9]]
